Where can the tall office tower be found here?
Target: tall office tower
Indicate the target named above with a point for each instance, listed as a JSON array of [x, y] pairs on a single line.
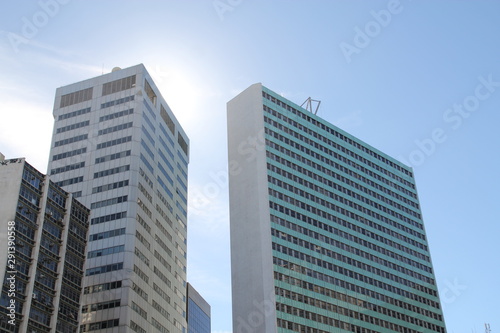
[[42, 243], [117, 145], [326, 231], [198, 312]]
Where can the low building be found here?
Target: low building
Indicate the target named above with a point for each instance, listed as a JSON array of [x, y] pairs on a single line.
[[43, 239], [198, 312]]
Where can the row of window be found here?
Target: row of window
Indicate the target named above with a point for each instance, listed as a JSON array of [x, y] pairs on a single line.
[[161, 310], [151, 112], [146, 194], [112, 186], [141, 256], [71, 140], [338, 198], [106, 251], [163, 245], [108, 202], [350, 238], [147, 149], [314, 143], [138, 290], [167, 136], [146, 133], [144, 208], [163, 295], [139, 310], [368, 269], [357, 185], [136, 328], [112, 157], [114, 142], [101, 325], [102, 287], [322, 169], [67, 168], [70, 181], [116, 115], [104, 269], [73, 114], [115, 128], [73, 126], [330, 214], [158, 326], [354, 250], [162, 276], [143, 240], [141, 274], [101, 306], [167, 119], [107, 234], [117, 102], [343, 283], [373, 304], [358, 315], [147, 121], [332, 131], [118, 85], [76, 97], [335, 204], [107, 218], [331, 163], [112, 171], [143, 223], [330, 173], [327, 226], [325, 320], [162, 260], [71, 153]]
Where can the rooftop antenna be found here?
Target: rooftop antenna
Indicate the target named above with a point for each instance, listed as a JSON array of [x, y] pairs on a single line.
[[487, 328], [309, 105]]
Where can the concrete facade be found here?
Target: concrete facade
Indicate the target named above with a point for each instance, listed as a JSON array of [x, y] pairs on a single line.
[[43, 243], [118, 147]]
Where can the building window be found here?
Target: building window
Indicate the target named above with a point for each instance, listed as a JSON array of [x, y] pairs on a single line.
[[182, 143], [76, 97], [149, 92], [167, 119], [118, 85]]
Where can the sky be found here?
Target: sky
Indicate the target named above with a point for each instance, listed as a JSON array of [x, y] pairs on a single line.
[[419, 80]]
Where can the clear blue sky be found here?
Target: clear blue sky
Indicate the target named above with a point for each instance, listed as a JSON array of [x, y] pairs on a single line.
[[419, 80]]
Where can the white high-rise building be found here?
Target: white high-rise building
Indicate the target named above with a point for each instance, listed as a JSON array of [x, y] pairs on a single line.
[[327, 233], [119, 149]]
